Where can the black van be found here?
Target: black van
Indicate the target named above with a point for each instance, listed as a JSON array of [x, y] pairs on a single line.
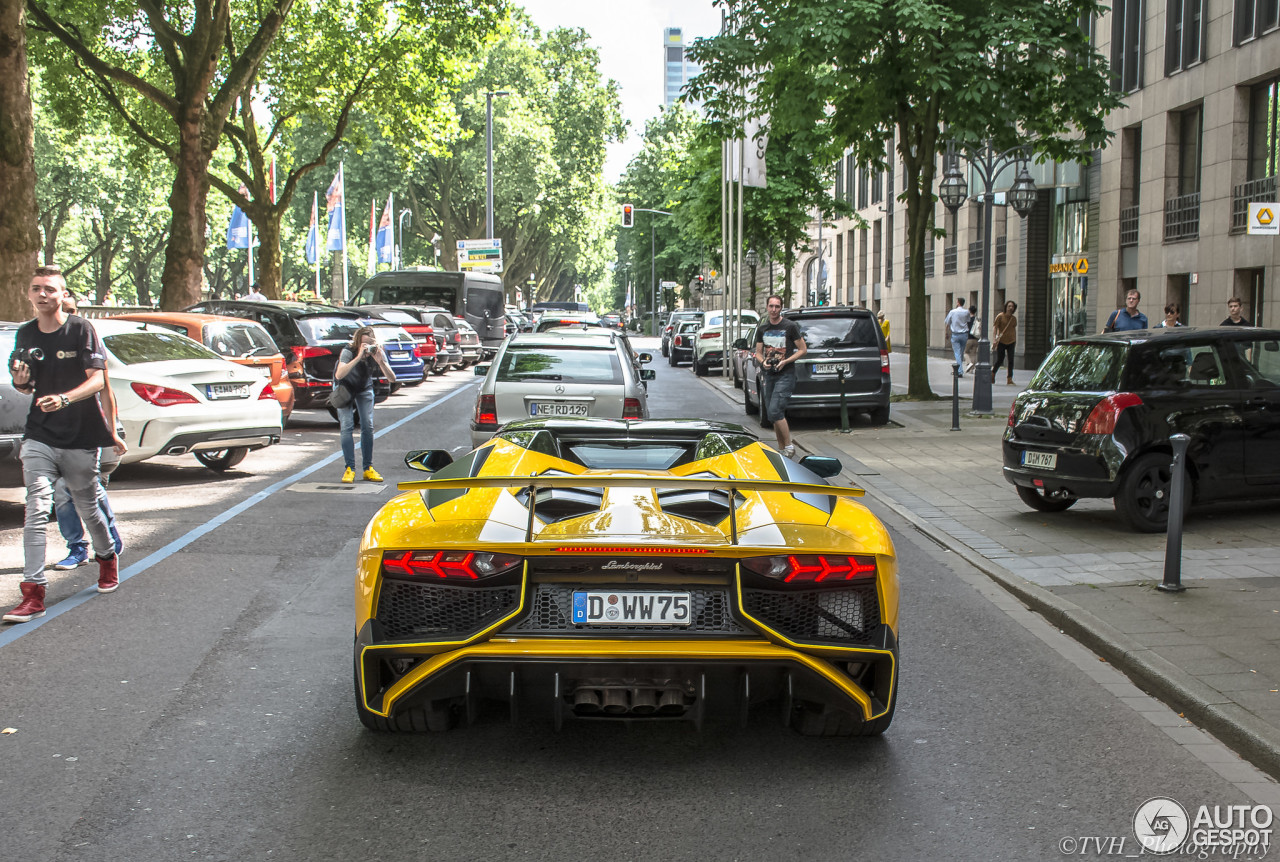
[[477, 297]]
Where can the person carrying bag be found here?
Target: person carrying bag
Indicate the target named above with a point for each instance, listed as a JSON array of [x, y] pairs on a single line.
[[358, 366]]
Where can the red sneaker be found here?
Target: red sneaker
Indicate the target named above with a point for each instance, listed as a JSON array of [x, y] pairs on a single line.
[[108, 573], [31, 606]]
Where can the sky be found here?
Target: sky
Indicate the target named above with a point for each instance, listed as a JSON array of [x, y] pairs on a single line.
[[629, 37]]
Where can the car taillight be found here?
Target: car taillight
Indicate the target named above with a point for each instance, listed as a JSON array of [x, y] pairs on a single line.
[[712, 334], [310, 352], [162, 396], [1102, 419], [631, 408], [457, 337], [679, 342], [1013, 410], [884, 362], [424, 349], [811, 569], [267, 393], [447, 565], [486, 411]]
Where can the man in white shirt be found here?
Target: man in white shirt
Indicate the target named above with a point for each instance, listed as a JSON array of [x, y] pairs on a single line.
[[957, 326], [255, 294]]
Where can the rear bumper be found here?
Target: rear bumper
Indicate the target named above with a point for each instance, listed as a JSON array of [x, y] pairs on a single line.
[[1090, 467], [804, 398], [252, 438]]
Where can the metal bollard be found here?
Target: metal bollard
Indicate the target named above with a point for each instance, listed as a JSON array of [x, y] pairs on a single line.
[[1173, 538], [844, 406], [955, 396]]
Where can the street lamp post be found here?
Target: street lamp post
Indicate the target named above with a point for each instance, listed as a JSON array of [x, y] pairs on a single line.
[[953, 190], [399, 263], [488, 159], [653, 271]]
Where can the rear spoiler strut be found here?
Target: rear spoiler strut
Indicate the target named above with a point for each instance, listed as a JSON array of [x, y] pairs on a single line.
[[534, 483]]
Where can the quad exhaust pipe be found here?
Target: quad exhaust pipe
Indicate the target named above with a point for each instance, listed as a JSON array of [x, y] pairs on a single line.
[[617, 698]]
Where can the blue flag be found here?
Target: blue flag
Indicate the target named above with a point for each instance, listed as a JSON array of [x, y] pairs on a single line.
[[336, 207], [313, 234], [238, 229], [386, 237]]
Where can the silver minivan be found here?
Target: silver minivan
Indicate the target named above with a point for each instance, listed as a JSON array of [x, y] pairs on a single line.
[[557, 374]]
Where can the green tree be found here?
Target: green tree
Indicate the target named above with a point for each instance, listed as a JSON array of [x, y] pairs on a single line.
[[19, 239], [870, 75]]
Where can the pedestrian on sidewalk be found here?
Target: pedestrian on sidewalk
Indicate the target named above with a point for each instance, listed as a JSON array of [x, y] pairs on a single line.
[[779, 343], [1234, 317], [1172, 313], [255, 294], [1129, 317], [1005, 332], [957, 325], [60, 360], [884, 327], [64, 508], [971, 345], [358, 366]]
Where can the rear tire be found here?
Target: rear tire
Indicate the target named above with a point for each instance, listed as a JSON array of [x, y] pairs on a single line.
[[435, 716], [879, 416], [666, 351], [1143, 497], [747, 404], [699, 370], [671, 360], [221, 460], [1038, 501]]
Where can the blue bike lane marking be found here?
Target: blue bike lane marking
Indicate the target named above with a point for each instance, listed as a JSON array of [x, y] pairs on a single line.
[[13, 631]]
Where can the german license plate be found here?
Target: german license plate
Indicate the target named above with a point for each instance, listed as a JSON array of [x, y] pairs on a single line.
[[400, 354], [556, 408], [222, 391], [619, 608], [1045, 460], [834, 368]]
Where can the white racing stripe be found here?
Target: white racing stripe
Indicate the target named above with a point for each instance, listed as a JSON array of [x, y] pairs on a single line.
[[16, 630]]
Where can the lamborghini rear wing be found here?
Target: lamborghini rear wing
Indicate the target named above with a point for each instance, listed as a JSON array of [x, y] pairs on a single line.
[[534, 483]]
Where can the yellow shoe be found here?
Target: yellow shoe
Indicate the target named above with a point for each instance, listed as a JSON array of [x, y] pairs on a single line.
[[349, 476], [371, 475]]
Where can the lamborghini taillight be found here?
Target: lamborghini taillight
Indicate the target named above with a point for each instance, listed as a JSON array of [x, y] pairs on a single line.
[[447, 565], [813, 569]]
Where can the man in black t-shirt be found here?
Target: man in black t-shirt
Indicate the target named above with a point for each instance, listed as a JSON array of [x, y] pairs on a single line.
[[60, 360], [1234, 318], [778, 345]]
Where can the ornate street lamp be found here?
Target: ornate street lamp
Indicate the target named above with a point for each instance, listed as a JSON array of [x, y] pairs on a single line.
[[953, 190]]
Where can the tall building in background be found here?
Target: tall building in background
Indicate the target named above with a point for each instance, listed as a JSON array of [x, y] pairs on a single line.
[[677, 69]]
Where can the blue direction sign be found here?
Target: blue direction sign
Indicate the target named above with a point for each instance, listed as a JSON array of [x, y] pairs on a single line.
[[480, 255]]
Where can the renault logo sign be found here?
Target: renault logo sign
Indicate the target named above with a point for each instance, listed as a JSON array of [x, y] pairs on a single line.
[[1263, 219]]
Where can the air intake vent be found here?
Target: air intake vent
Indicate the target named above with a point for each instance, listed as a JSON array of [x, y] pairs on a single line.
[[705, 506], [560, 504]]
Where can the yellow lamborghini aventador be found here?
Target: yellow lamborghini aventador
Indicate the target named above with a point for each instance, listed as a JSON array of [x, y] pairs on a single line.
[[598, 569]]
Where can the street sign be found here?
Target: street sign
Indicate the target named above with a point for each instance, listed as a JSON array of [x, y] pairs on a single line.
[[480, 255], [669, 285], [1264, 219]]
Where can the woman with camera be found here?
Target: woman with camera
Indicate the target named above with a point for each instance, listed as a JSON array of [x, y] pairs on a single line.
[[358, 366]]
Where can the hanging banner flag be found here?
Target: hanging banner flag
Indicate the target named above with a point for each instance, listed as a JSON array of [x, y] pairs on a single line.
[[371, 265], [238, 229], [751, 162], [313, 234], [386, 237], [336, 207]]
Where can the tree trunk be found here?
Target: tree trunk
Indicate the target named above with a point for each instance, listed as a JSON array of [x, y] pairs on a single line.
[[182, 278], [268, 271], [19, 237]]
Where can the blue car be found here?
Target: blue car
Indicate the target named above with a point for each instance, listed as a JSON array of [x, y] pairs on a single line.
[[402, 353]]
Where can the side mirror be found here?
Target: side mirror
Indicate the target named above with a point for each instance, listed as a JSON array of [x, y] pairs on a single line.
[[821, 465], [647, 374], [739, 344], [481, 370], [646, 357], [427, 460]]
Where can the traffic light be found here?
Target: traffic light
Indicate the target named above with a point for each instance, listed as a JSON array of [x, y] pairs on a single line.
[[628, 215], [699, 283]]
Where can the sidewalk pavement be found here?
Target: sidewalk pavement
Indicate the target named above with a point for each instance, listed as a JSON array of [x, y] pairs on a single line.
[[1212, 652]]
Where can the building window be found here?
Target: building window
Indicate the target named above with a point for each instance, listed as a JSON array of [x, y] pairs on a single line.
[[1253, 18], [888, 249], [1190, 129], [1184, 34], [1264, 130], [1127, 27], [877, 187], [850, 178], [862, 187], [840, 180]]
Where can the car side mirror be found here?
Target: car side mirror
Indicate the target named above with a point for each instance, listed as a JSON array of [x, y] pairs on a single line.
[[646, 357], [427, 460], [739, 344], [821, 465], [647, 374], [482, 370]]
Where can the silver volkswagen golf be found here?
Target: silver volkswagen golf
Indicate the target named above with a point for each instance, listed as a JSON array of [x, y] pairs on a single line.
[[560, 373]]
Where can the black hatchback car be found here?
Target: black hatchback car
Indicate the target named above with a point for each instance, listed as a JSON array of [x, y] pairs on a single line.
[[1097, 417], [310, 335], [840, 340]]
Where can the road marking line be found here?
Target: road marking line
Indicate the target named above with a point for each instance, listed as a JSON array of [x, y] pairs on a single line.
[[17, 630]]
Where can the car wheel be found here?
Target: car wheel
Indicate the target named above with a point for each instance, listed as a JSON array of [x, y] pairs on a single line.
[[815, 719], [665, 350], [879, 416], [671, 360], [699, 370], [765, 422], [435, 716], [220, 460], [1143, 498], [1038, 501], [747, 404]]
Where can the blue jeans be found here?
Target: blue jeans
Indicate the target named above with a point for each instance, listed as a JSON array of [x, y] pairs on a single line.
[[362, 404], [958, 342]]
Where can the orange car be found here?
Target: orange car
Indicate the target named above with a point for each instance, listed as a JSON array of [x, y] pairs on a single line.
[[241, 341]]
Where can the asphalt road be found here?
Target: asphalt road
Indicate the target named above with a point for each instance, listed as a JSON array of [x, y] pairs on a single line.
[[204, 711]]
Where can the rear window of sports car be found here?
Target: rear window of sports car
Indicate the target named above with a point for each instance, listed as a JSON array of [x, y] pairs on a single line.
[[132, 348], [563, 364], [1080, 367]]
